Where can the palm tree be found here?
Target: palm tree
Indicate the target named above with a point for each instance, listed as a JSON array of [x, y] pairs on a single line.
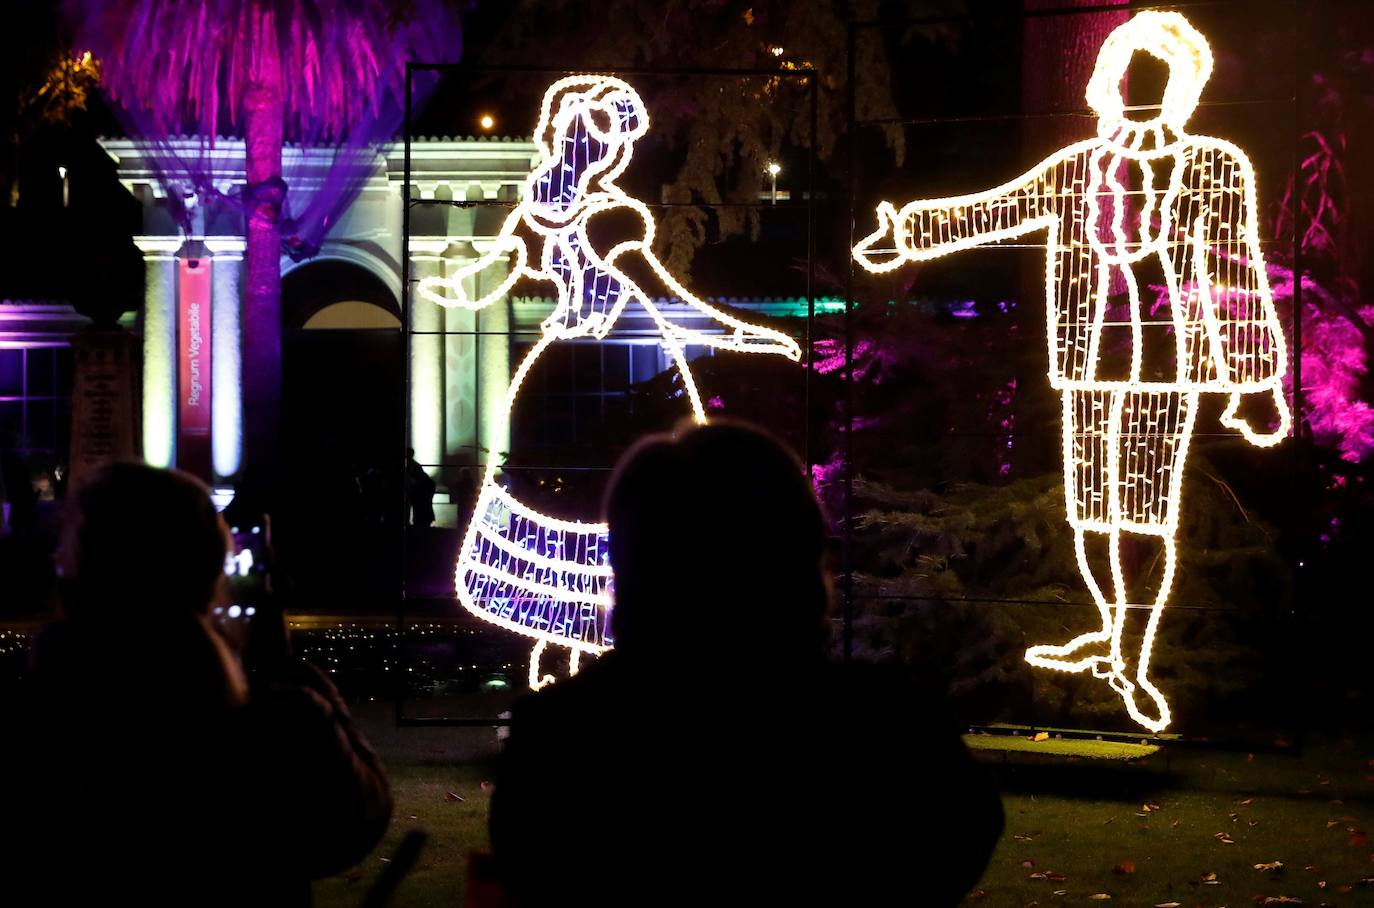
[[304, 70]]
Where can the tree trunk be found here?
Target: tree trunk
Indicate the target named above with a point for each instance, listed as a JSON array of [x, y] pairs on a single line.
[[1058, 55], [262, 328]]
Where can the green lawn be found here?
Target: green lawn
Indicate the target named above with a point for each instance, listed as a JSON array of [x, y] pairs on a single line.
[[1076, 827]]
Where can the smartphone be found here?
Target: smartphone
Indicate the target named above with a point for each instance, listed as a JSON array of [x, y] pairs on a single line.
[[246, 569]]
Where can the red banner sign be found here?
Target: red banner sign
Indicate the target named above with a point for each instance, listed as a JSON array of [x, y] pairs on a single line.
[[193, 366]]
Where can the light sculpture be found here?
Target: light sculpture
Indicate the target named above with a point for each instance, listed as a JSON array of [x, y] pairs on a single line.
[[528, 572], [1142, 199]]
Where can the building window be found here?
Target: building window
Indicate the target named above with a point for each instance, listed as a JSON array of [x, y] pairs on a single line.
[[35, 402], [575, 386]]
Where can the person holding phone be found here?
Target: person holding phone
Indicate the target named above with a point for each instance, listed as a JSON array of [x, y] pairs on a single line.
[[155, 768]]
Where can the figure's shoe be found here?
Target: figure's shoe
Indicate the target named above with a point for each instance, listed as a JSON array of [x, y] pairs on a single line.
[[1157, 717], [1080, 654]]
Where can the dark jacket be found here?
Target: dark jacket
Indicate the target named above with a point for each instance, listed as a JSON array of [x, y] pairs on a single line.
[[707, 784], [136, 781]]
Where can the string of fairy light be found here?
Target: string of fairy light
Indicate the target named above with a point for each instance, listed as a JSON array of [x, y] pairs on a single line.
[[1125, 440], [518, 568]]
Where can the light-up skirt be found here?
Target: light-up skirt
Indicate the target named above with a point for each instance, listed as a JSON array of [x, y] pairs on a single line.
[[545, 578]]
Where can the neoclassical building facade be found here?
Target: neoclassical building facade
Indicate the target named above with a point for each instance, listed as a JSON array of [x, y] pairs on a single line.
[[458, 363]]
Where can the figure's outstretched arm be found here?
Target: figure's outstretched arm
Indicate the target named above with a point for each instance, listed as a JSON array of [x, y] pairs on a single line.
[[929, 228], [1224, 277], [636, 256], [452, 290]]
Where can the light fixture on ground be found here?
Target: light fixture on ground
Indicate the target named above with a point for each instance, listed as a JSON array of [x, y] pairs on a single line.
[[1143, 195]]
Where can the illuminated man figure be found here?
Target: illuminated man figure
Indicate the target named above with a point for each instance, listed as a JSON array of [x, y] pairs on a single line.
[[577, 230], [1144, 203]]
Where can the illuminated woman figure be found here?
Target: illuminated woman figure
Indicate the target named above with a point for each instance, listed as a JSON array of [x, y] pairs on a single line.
[[1144, 203], [530, 573]]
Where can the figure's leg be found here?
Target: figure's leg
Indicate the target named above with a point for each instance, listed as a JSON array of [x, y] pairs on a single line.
[[1086, 489], [1161, 716], [1083, 652], [1161, 424], [574, 661], [536, 680]]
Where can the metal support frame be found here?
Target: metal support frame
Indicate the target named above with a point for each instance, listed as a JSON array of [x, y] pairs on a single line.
[[806, 75], [854, 123]]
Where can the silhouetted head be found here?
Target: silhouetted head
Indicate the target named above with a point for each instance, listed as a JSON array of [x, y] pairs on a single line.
[[718, 545], [141, 542]]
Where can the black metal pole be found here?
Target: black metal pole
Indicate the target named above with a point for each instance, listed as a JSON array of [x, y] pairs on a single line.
[[810, 271], [847, 515], [403, 656]]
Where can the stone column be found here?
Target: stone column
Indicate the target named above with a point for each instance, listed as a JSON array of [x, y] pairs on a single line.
[[159, 349], [426, 364], [226, 349], [493, 362], [460, 385]]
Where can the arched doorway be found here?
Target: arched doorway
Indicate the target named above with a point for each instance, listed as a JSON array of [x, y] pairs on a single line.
[[343, 407]]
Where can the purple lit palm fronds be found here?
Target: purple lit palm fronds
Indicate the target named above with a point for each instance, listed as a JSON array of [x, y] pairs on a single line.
[[188, 64]]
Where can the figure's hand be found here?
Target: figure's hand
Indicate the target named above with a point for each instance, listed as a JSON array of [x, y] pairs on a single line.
[[1277, 417], [880, 251], [452, 291]]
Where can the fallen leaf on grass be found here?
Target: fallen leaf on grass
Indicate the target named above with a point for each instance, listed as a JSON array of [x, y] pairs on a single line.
[[1100, 897], [1041, 736], [1210, 878], [1224, 839], [1023, 838], [1246, 803], [978, 894], [1277, 900], [1125, 868], [1269, 866], [1028, 864], [1169, 905], [1037, 876], [1332, 824], [1061, 892], [1055, 877], [1321, 884], [1174, 824], [453, 796]]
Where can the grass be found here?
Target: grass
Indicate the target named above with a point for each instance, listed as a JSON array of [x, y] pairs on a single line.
[[425, 765], [1144, 832], [1188, 827], [1060, 747]]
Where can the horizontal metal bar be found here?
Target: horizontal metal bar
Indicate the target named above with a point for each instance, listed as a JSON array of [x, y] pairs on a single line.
[[982, 13]]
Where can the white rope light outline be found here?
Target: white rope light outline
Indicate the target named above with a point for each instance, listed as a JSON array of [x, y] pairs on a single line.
[[565, 598], [1125, 440]]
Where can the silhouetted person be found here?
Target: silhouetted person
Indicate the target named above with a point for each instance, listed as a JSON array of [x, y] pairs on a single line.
[[19, 491], [420, 489], [715, 757], [145, 766]]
